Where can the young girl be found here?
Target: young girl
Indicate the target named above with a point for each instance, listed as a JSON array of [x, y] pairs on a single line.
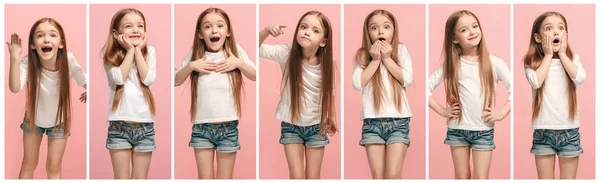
[[131, 68], [307, 105], [470, 74], [383, 69], [553, 71], [215, 65], [46, 71]]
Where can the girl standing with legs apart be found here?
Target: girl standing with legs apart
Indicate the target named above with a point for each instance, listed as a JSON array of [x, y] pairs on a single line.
[[215, 66], [553, 71], [307, 105], [470, 74], [46, 71], [131, 68], [383, 70]]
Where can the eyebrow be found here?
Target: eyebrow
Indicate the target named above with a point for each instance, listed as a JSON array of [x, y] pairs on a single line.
[[51, 31], [218, 21], [386, 22]]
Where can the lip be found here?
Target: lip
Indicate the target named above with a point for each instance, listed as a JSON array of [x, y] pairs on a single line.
[[472, 38], [135, 37]]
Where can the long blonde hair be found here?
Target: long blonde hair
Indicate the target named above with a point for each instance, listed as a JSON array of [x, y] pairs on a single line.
[[34, 73], [451, 66], [115, 54], [199, 49], [533, 59], [292, 74], [363, 59]]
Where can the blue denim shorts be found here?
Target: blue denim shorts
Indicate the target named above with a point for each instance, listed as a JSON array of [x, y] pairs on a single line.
[[564, 143], [136, 136], [385, 131], [307, 135], [56, 132], [476, 140], [223, 137]]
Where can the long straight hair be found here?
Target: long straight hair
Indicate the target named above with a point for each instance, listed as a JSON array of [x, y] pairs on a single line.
[[115, 54], [533, 59], [452, 52], [199, 49], [292, 74], [363, 59], [34, 69]]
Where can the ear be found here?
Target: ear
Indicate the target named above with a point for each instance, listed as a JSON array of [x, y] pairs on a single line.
[[32, 47], [323, 43], [115, 34], [200, 35], [454, 40], [61, 46], [537, 37]]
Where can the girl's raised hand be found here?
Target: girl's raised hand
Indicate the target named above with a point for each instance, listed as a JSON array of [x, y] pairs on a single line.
[[202, 66], [275, 30], [386, 50], [547, 45], [563, 44], [375, 50], [142, 44], [231, 63], [14, 47], [124, 42]]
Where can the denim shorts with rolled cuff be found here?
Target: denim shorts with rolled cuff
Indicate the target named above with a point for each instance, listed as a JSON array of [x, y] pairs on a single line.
[[564, 143], [136, 136], [223, 137], [56, 132], [307, 135], [385, 131], [476, 140]]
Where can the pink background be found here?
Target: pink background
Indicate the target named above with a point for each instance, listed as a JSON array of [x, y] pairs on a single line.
[[411, 32], [273, 164], [243, 21], [158, 35], [495, 24], [581, 22], [19, 19]]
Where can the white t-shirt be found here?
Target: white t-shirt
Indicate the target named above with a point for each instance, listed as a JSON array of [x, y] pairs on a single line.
[[388, 106], [554, 113], [310, 111], [215, 102], [469, 88], [133, 106], [47, 104]]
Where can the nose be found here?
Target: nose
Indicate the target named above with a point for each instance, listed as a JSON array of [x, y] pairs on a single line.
[[307, 32]]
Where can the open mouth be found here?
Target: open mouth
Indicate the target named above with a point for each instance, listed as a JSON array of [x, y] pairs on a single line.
[[134, 37], [381, 39], [46, 49], [556, 41], [215, 39]]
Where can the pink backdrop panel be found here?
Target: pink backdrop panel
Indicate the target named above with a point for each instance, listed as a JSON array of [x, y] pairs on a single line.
[[158, 35], [411, 32], [19, 19], [273, 164], [243, 22], [581, 22], [495, 24]]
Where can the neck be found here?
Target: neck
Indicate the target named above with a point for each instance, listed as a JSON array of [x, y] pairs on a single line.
[[49, 65], [555, 55], [309, 56], [471, 51]]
